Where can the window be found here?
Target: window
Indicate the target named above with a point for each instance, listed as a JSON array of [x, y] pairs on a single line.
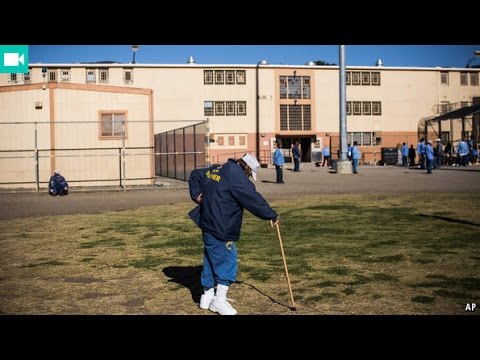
[[220, 140], [474, 78], [242, 141], [375, 78], [91, 75], [208, 77], [230, 108], [366, 108], [52, 75], [241, 77], [306, 87], [128, 76], [12, 79], [376, 108], [27, 77], [445, 107], [231, 140], [241, 108], [283, 87], [103, 75], [357, 108], [219, 77], [208, 108], [363, 138], [295, 87], [463, 79], [355, 78], [348, 79], [65, 75], [444, 77], [219, 108], [230, 77], [445, 137], [112, 124], [464, 103], [295, 117], [365, 78], [349, 108]]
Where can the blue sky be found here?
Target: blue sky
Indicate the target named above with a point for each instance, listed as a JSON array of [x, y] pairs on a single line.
[[391, 55]]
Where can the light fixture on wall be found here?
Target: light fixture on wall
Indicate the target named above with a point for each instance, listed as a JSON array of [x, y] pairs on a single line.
[[294, 102], [295, 74]]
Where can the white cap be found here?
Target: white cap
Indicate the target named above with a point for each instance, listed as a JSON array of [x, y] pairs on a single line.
[[438, 139], [56, 171], [252, 163]]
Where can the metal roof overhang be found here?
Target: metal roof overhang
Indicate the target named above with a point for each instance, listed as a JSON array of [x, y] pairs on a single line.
[[456, 114]]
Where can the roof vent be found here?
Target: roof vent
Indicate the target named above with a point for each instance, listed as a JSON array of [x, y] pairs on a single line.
[[263, 62], [310, 63], [379, 62], [191, 60]]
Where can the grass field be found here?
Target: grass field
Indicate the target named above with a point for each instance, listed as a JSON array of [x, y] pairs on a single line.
[[346, 254]]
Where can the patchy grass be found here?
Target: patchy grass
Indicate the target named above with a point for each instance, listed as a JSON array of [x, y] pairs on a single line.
[[346, 254]]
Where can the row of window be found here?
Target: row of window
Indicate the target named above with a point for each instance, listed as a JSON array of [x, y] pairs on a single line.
[[294, 87], [64, 75], [364, 108], [224, 77], [364, 138], [231, 140], [362, 78], [444, 78], [225, 108], [295, 117]]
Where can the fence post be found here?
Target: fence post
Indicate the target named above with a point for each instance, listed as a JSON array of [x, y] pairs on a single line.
[[123, 156], [207, 143], [37, 180]]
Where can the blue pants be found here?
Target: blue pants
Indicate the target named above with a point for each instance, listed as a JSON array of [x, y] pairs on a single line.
[[355, 165], [296, 162], [279, 170], [219, 262]]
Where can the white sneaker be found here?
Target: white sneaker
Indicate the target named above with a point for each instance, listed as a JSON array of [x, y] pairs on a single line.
[[222, 306], [206, 300]]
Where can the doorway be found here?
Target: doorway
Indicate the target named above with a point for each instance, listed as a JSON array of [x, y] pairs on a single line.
[[305, 143]]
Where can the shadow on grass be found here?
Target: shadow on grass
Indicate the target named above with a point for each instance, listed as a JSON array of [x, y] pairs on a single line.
[[450, 219], [261, 292], [188, 276]]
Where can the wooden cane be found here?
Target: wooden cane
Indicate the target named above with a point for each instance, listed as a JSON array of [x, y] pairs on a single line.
[[286, 270]]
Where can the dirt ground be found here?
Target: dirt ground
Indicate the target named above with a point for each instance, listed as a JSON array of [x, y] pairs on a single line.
[[310, 180]]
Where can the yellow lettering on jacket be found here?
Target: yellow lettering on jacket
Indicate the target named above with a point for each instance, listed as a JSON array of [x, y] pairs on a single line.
[[214, 177]]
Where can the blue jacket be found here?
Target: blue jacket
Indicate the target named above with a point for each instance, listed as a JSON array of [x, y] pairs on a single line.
[[278, 158], [226, 192]]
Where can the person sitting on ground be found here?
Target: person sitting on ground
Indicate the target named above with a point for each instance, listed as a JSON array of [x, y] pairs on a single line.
[[57, 184]]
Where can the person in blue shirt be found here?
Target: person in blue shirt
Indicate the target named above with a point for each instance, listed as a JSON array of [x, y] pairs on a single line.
[[356, 155], [429, 156], [326, 156], [278, 161], [404, 154], [57, 185], [222, 192]]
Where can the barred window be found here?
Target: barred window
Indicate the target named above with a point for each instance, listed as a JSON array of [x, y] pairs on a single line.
[[348, 78], [366, 108], [12, 79], [230, 77], [112, 124], [208, 77], [375, 78], [103, 75], [283, 87], [306, 87], [219, 77], [128, 76], [444, 77], [219, 108], [376, 108], [241, 108], [357, 108], [52, 75], [241, 77], [294, 87], [463, 79], [364, 138], [474, 78], [365, 78], [295, 117], [230, 108], [349, 108], [356, 78]]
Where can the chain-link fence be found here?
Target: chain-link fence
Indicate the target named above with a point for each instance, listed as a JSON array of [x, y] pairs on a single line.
[[87, 156]]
